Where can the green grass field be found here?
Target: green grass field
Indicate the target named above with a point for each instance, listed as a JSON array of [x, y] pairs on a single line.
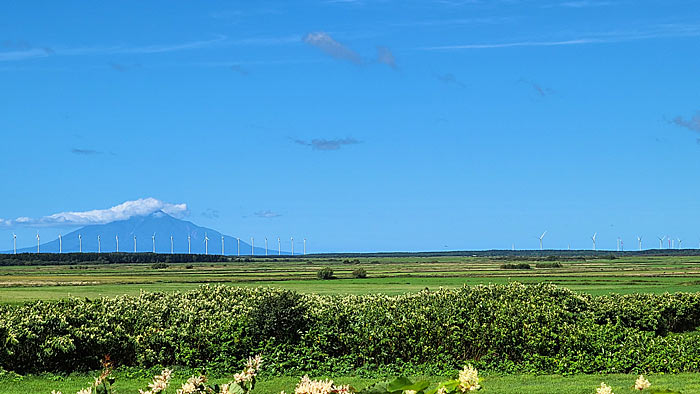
[[19, 284], [386, 275], [513, 384]]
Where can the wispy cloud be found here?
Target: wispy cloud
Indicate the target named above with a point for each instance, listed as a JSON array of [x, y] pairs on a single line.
[[690, 124], [331, 47], [124, 211], [385, 56], [211, 213], [267, 214], [658, 31], [540, 90], [581, 4], [237, 68], [455, 21], [324, 144], [85, 152], [449, 79], [33, 52]]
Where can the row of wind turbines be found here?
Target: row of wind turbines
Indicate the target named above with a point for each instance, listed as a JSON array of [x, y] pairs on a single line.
[[621, 244], [172, 244]]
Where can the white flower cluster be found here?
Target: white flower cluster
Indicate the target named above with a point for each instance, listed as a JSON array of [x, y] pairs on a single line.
[[641, 383], [604, 389], [469, 379], [250, 371], [308, 386], [159, 384], [193, 385]]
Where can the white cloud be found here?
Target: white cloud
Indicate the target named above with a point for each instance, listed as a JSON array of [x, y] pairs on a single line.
[[123, 211]]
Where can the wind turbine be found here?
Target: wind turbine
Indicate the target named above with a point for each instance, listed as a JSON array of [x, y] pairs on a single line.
[[279, 247], [671, 242], [661, 241], [593, 238], [172, 249], [134, 243], [292, 246], [153, 237], [14, 242], [99, 245], [541, 237], [639, 239], [37, 242], [618, 244], [117, 238], [222, 245], [252, 246], [238, 242], [680, 243], [189, 244], [265, 246], [60, 243], [304, 246], [80, 242], [206, 244]]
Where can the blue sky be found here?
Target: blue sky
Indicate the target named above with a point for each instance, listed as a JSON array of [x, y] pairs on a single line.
[[360, 125]]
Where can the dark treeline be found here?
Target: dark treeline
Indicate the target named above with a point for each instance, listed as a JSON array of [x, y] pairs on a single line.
[[521, 254], [113, 258]]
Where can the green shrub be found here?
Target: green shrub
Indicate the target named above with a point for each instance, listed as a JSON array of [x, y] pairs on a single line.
[[509, 328], [359, 273], [325, 273], [516, 266], [159, 266], [548, 265]]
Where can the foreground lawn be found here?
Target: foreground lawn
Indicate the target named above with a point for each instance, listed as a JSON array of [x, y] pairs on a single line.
[[687, 383]]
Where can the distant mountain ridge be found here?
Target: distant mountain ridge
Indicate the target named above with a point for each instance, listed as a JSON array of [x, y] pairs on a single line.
[[143, 227]]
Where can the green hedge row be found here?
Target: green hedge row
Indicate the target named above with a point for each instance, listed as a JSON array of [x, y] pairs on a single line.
[[504, 328]]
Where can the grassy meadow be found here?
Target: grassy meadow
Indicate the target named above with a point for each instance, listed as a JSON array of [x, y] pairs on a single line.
[[389, 275], [511, 384]]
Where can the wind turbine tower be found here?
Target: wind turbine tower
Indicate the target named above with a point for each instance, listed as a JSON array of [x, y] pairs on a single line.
[[117, 238], [618, 244], [661, 242], [265, 246], [134, 243], [37, 242], [99, 245], [680, 243], [292, 246], [639, 239], [279, 247], [542, 237], [189, 244], [14, 242], [153, 237], [304, 246], [172, 245], [206, 244], [222, 245], [80, 243], [238, 241], [593, 238], [60, 243]]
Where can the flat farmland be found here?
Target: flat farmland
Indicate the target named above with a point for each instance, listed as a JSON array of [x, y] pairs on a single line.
[[389, 275]]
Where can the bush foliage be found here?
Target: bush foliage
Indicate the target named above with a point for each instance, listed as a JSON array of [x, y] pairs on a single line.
[[503, 328], [325, 273], [515, 266]]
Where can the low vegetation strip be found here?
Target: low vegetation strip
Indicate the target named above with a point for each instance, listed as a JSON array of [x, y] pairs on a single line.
[[498, 328]]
